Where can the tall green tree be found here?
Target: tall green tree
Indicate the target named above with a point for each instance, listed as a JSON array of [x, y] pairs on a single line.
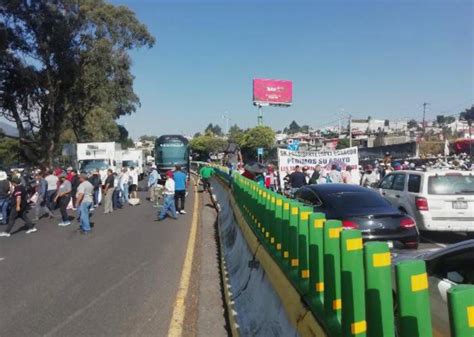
[[205, 145], [214, 129], [65, 65], [236, 135], [259, 136]]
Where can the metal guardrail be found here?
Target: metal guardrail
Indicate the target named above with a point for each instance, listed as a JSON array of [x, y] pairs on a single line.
[[346, 284]]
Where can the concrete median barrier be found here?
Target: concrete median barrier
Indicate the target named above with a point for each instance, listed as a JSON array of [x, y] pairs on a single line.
[[288, 262]]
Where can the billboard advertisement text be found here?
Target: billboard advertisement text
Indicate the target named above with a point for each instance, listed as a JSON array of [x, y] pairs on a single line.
[[272, 92]]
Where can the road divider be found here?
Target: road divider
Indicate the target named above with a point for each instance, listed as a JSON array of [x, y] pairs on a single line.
[[346, 284]]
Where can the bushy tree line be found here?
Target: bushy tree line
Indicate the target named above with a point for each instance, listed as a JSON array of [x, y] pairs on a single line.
[[65, 71]]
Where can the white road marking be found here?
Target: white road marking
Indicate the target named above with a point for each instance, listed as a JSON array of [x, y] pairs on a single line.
[[2, 258], [177, 320]]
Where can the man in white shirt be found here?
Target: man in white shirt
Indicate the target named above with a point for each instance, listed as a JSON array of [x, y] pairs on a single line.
[[134, 186], [169, 207], [52, 181]]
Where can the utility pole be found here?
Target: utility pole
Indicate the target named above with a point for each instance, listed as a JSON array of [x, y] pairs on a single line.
[[260, 116], [350, 130], [424, 115], [226, 117]]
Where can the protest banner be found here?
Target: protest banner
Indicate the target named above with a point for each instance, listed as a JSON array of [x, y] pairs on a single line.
[[288, 160]]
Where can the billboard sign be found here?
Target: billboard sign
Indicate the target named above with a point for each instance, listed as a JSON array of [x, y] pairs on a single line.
[[272, 92]]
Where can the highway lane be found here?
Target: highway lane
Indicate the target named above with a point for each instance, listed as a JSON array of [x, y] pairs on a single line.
[[119, 281]]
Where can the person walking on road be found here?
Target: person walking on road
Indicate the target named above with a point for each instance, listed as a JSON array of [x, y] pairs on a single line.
[[4, 197], [108, 192], [153, 178], [19, 209], [84, 201], [52, 181], [134, 183], [63, 197], [41, 188], [168, 203], [125, 185], [96, 182], [180, 180], [206, 173], [116, 202], [74, 184]]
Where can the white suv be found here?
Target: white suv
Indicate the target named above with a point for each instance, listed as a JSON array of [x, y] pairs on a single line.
[[439, 200]]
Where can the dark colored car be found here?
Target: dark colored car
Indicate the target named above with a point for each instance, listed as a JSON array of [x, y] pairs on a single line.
[[446, 267], [361, 208]]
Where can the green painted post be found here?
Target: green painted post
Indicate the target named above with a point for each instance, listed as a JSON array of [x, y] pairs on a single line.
[[293, 240], [303, 248], [316, 260], [285, 233], [278, 225], [461, 310], [272, 224], [413, 299], [353, 321], [378, 278], [332, 274]]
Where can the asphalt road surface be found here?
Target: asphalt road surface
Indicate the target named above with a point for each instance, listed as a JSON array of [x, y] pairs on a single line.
[[121, 280]]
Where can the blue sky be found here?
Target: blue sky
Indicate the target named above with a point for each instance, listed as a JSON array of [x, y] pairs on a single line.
[[377, 58]]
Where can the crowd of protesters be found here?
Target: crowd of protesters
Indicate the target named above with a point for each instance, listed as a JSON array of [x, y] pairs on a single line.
[[368, 175], [32, 196]]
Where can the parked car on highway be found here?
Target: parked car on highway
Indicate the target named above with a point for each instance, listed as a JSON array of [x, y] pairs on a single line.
[[438, 200], [364, 209], [446, 267]]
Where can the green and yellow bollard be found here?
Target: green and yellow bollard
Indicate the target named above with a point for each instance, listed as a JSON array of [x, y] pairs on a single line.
[[461, 310], [278, 226], [332, 274], [353, 321], [285, 233], [316, 260], [293, 241], [303, 249], [378, 280], [414, 317]]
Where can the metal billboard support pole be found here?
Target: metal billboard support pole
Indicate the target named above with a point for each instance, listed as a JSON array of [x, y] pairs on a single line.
[[260, 116]]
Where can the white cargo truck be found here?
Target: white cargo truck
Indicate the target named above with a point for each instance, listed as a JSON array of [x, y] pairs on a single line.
[[134, 158], [99, 156]]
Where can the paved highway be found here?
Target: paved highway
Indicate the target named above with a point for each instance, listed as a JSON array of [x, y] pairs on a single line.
[[121, 280]]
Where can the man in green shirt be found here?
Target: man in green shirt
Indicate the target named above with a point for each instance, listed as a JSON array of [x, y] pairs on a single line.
[[206, 173]]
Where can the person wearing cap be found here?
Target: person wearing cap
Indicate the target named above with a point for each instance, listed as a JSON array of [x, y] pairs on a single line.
[[4, 196], [168, 202], [19, 209], [69, 174], [84, 200], [62, 199], [153, 178]]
